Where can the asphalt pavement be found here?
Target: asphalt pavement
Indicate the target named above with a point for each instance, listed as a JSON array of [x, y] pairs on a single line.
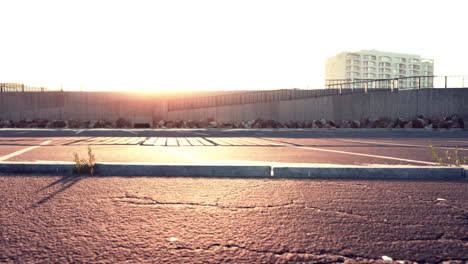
[[195, 220], [232, 146]]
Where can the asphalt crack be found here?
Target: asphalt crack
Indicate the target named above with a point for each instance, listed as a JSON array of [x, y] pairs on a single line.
[[147, 201]]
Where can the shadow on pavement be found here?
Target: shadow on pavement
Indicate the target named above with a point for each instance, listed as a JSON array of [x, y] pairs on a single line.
[[65, 182]]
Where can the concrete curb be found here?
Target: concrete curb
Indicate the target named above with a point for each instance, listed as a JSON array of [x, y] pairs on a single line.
[[40, 168], [390, 173], [113, 169], [240, 171], [183, 170]]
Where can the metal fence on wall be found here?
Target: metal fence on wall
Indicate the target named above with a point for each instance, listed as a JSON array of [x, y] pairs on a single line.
[[20, 87], [337, 87]]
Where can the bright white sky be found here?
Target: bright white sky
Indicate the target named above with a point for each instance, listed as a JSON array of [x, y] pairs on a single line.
[[216, 45]]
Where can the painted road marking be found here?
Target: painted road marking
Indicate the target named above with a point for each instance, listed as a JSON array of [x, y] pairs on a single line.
[[23, 132], [220, 141], [204, 141], [194, 141], [79, 131], [183, 142], [172, 141], [19, 152], [150, 141], [359, 154], [395, 144], [161, 141]]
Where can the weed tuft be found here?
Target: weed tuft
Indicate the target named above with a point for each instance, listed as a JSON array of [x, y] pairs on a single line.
[[449, 158], [84, 166]]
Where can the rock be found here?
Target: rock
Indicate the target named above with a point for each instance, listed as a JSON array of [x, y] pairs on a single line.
[[257, 125], [428, 127], [317, 124], [180, 123], [226, 125], [21, 124], [73, 123], [355, 124], [100, 124], [202, 124], [465, 123], [59, 124], [371, 124], [418, 123], [408, 125], [161, 123], [323, 121], [169, 124], [212, 124], [454, 124], [249, 124], [85, 124], [32, 125], [339, 124], [122, 122], [271, 124], [191, 124], [291, 124], [444, 124]]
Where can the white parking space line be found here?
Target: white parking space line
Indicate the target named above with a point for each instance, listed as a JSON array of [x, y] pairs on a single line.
[[172, 141], [395, 144], [359, 154], [150, 141], [194, 141], [19, 152], [161, 141], [220, 141], [183, 142], [204, 141]]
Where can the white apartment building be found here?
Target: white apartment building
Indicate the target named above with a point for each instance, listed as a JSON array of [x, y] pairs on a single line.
[[373, 64]]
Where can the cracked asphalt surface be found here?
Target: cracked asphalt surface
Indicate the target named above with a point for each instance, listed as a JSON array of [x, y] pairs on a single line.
[[195, 220]]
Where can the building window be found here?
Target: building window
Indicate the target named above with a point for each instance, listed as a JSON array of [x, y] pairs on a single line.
[[385, 58]]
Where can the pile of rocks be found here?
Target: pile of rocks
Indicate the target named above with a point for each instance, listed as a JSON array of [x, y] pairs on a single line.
[[44, 123], [453, 121]]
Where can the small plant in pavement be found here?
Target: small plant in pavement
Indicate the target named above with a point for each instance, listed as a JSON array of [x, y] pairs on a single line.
[[449, 158], [84, 166]]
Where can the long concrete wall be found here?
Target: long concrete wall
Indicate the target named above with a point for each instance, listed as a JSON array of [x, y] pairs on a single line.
[[404, 104], [80, 105], [148, 107]]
